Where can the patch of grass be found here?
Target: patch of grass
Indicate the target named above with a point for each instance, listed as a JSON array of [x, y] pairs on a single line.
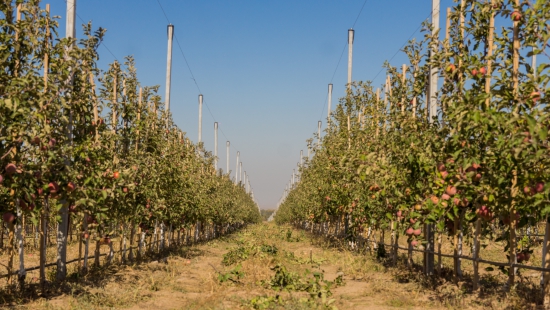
[[233, 275], [236, 255], [269, 249], [400, 302]]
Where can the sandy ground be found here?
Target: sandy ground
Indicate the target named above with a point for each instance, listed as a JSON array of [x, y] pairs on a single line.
[[196, 278]]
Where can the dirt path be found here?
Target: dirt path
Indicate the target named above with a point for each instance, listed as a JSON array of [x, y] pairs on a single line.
[[262, 267]]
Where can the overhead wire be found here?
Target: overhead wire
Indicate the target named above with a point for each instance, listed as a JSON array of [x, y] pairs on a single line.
[[102, 43], [193, 77], [340, 59], [344, 48], [401, 48]]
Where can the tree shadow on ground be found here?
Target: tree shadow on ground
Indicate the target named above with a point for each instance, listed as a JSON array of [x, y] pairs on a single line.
[[78, 283], [493, 291]]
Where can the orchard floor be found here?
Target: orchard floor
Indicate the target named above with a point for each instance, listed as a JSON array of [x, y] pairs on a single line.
[[258, 261]]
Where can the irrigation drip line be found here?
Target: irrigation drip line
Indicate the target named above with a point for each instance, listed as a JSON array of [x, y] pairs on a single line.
[[499, 264], [100, 255]]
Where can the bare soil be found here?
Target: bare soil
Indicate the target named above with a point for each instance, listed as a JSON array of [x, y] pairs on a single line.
[[267, 267]]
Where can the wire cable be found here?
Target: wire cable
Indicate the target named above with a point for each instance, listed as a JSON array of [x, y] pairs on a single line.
[[195, 80], [340, 59], [401, 48], [102, 42]]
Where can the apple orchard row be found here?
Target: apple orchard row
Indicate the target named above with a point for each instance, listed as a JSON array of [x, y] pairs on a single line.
[[482, 162], [107, 154]]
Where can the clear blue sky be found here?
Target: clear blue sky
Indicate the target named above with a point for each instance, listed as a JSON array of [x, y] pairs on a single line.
[[262, 66]]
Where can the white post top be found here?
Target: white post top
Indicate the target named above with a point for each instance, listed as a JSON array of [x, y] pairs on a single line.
[[350, 36], [71, 15], [200, 118], [170, 31]]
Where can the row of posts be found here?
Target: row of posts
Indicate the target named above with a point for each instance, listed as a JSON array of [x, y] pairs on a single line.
[[432, 112], [62, 227]]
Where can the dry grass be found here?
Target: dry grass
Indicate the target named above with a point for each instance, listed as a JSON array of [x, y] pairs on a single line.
[[189, 278]]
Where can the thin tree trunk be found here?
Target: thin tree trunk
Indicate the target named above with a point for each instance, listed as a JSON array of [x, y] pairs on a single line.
[[20, 234], [43, 231]]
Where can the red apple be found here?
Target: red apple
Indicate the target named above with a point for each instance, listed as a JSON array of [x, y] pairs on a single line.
[[535, 96], [539, 187], [450, 190], [52, 142], [526, 190], [450, 68], [125, 190], [506, 219], [409, 231], [414, 243], [116, 175], [456, 201], [399, 213], [8, 217], [520, 257], [483, 70], [474, 72], [445, 197], [72, 208], [441, 167], [1, 179], [70, 187], [516, 16], [412, 221], [11, 169], [417, 232], [444, 174], [53, 187]]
